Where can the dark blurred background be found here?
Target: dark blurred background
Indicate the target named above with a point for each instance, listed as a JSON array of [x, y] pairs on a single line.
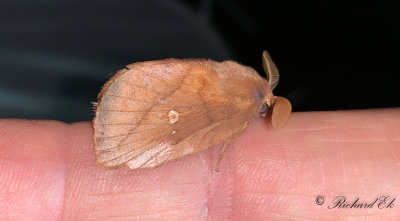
[[55, 55]]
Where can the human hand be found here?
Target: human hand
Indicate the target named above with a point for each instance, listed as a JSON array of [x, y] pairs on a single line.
[[48, 172]]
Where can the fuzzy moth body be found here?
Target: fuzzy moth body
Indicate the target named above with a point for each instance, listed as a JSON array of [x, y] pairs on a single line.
[[156, 111]]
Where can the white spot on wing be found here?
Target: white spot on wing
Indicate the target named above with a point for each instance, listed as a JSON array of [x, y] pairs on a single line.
[[173, 116]]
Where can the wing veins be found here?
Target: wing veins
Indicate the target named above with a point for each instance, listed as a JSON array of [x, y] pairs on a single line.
[[129, 98], [153, 105], [120, 135], [136, 132], [209, 127], [132, 150], [154, 110], [160, 80], [152, 157], [139, 86]]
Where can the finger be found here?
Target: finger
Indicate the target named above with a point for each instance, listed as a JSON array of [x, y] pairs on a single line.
[[32, 169], [356, 154], [265, 174]]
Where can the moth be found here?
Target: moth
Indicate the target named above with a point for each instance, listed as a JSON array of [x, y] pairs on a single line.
[[153, 112]]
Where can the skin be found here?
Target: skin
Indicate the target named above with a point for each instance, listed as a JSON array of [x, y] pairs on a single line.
[[48, 172]]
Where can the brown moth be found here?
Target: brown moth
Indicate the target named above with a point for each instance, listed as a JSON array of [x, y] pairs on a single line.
[[156, 111]]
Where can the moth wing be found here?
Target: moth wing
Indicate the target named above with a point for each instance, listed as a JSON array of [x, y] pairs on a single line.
[[145, 113], [201, 140]]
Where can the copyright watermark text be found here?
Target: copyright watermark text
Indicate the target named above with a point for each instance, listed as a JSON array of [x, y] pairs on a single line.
[[341, 202]]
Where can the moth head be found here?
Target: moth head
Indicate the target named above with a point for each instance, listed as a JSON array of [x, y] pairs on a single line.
[[279, 107]]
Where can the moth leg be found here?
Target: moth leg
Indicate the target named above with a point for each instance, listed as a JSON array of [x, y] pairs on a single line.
[[222, 153], [227, 142]]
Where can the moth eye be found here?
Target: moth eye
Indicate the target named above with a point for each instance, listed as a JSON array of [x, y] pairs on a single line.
[[264, 109]]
